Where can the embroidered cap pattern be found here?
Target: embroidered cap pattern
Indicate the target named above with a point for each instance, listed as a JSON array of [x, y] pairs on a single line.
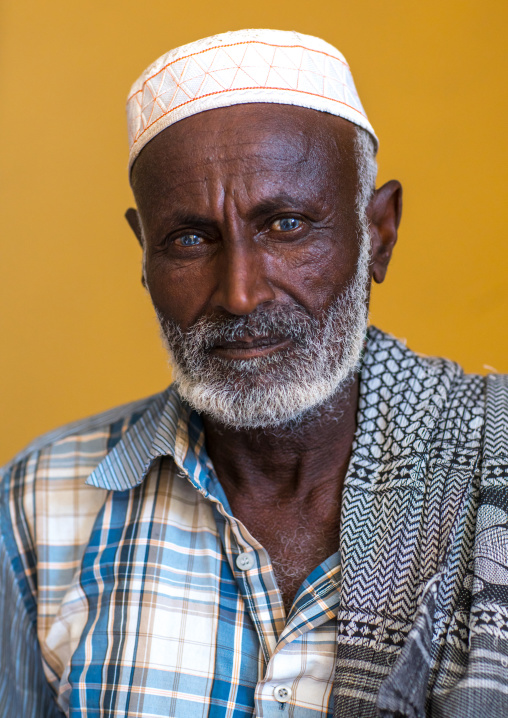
[[237, 68]]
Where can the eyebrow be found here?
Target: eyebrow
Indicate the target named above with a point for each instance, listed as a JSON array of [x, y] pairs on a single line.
[[262, 209], [190, 219], [274, 204]]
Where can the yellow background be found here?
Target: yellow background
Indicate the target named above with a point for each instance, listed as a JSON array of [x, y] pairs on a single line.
[[77, 330]]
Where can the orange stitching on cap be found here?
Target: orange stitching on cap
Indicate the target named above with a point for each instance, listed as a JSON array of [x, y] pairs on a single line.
[[235, 44], [156, 103], [220, 92], [238, 67], [203, 80]]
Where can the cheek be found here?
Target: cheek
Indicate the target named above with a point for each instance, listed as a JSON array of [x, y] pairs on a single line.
[[316, 276], [178, 293]]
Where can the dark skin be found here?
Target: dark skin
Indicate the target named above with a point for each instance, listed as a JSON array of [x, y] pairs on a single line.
[[254, 206]]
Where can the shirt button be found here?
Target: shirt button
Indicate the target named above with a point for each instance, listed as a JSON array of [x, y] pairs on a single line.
[[244, 561], [282, 693]]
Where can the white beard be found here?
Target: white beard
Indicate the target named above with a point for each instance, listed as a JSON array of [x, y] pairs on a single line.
[[282, 388]]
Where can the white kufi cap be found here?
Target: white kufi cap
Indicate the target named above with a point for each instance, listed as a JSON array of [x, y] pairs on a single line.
[[238, 68]]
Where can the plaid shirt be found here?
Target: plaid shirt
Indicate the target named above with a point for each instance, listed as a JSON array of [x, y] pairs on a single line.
[[127, 588], [147, 596]]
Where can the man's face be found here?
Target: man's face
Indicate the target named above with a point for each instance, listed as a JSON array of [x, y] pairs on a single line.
[[252, 245]]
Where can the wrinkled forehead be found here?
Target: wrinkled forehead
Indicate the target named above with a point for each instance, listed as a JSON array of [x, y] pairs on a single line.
[[248, 138]]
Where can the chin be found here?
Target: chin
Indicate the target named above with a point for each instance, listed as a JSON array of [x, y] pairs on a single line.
[[254, 401]]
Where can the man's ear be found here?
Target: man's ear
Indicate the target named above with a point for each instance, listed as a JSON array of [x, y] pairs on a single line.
[[132, 218], [384, 212]]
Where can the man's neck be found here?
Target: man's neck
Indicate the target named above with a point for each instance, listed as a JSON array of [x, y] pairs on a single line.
[[287, 462], [285, 485]]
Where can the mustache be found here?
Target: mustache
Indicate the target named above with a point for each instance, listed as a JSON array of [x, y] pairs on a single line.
[[285, 322]]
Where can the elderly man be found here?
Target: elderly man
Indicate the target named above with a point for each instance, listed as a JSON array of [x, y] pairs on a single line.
[[312, 520]]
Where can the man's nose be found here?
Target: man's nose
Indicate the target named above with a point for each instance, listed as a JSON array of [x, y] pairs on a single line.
[[241, 282]]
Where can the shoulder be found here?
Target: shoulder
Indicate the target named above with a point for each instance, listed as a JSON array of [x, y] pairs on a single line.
[[104, 429], [58, 463], [421, 372], [44, 500], [434, 395]]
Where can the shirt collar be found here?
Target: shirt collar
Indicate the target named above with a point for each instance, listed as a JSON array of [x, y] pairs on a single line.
[[168, 427], [387, 419]]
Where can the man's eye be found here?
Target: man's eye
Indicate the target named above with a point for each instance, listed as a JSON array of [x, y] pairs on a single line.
[[188, 240], [287, 224]]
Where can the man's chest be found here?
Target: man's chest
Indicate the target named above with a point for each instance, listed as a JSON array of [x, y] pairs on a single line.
[[162, 620], [297, 538]]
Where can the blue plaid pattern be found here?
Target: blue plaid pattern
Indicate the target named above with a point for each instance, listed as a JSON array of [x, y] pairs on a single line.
[[120, 546], [120, 593]]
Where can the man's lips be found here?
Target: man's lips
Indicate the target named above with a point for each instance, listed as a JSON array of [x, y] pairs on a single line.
[[249, 347]]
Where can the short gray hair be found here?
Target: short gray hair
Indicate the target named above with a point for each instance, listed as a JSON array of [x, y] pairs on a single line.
[[365, 151]]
